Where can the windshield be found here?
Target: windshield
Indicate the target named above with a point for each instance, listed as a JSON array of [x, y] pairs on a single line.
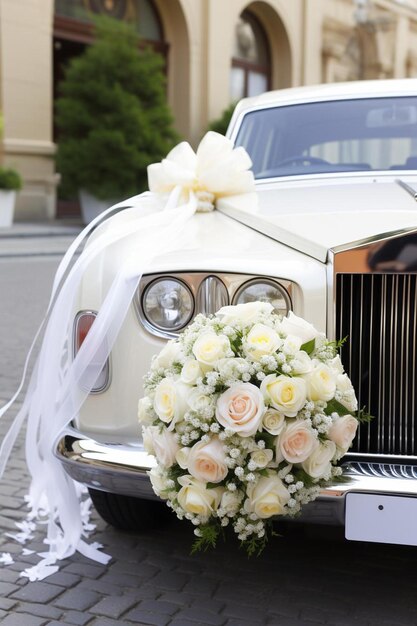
[[340, 136]]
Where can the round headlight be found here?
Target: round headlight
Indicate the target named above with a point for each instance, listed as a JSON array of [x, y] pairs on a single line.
[[168, 304], [264, 290]]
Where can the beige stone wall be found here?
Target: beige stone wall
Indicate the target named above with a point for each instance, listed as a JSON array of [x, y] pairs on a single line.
[[311, 41]]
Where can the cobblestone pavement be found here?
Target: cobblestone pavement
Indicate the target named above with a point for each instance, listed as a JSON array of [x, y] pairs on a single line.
[[304, 577]]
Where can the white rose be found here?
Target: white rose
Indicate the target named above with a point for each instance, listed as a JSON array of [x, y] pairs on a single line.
[[169, 403], [207, 461], [241, 408], [296, 442], [321, 383], [273, 421], [191, 371], [336, 364], [182, 457], [158, 481], [144, 407], [261, 341], [346, 393], [231, 501], [262, 457], [198, 401], [163, 444], [287, 395], [245, 313], [291, 344], [170, 353], [318, 463], [294, 325], [343, 431], [209, 348], [267, 497], [194, 497], [301, 363]]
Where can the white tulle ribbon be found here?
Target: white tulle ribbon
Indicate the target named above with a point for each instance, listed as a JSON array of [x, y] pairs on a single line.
[[182, 184]]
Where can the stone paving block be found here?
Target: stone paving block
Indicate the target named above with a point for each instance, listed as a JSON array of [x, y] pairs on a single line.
[[235, 610], [8, 575], [173, 582], [207, 617], [102, 621], [202, 584], [239, 622], [187, 622], [180, 599], [30, 620], [128, 580], [208, 604], [37, 592], [159, 606], [113, 606], [7, 588], [85, 569], [7, 603], [77, 618], [63, 579], [77, 599], [40, 610], [147, 617]]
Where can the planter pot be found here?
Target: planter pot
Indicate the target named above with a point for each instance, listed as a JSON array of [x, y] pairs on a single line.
[[91, 206], [7, 202]]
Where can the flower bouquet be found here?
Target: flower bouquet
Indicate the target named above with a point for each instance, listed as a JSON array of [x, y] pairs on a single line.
[[247, 414]]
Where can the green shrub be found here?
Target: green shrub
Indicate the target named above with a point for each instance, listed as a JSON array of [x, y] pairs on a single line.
[[112, 115], [220, 124], [10, 179]]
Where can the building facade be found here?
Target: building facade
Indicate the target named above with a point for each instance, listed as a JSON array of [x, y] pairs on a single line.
[[216, 51]]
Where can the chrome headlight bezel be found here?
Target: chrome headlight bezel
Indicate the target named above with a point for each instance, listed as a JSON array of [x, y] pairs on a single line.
[[232, 282], [146, 318], [264, 281]]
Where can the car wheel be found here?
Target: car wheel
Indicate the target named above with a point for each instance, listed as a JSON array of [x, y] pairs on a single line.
[[128, 513]]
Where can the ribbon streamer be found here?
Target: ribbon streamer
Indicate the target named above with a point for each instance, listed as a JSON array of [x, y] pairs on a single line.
[[183, 184]]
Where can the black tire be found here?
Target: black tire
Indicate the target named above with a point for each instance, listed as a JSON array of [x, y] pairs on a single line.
[[127, 513]]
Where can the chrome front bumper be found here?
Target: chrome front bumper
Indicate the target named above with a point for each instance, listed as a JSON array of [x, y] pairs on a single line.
[[121, 468]]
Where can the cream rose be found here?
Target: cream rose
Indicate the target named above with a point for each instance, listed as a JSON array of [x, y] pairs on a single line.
[[318, 463], [267, 497], [207, 461], [321, 383], [262, 457], [158, 482], [170, 353], [169, 403], [301, 363], [343, 431], [245, 313], [291, 344], [287, 395], [261, 341], [273, 421], [209, 348], [198, 401], [144, 408], [194, 497], [191, 371], [294, 325], [296, 442], [240, 408], [346, 393], [161, 443]]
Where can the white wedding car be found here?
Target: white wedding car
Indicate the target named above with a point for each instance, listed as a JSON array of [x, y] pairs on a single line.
[[335, 241]]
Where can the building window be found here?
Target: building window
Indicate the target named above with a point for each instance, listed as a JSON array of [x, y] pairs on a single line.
[[250, 73]]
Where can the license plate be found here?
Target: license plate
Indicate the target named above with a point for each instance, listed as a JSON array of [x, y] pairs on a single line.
[[381, 519]]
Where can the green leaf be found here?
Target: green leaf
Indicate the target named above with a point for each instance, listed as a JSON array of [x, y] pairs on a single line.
[[334, 406], [309, 346]]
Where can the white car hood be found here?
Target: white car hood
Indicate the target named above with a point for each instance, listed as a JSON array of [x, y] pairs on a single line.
[[325, 213]]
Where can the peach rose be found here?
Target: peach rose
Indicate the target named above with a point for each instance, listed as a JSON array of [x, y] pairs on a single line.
[[207, 461], [240, 409], [343, 431], [296, 442]]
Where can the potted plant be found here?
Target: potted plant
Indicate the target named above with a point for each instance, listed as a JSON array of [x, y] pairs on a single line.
[[112, 117], [10, 183]]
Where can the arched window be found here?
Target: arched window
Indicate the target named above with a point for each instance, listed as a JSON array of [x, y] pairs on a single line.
[[250, 73]]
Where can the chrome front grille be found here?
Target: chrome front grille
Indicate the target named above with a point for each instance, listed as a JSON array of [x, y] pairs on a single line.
[[378, 314]]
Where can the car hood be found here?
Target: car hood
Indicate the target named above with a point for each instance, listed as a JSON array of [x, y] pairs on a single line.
[[325, 213]]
